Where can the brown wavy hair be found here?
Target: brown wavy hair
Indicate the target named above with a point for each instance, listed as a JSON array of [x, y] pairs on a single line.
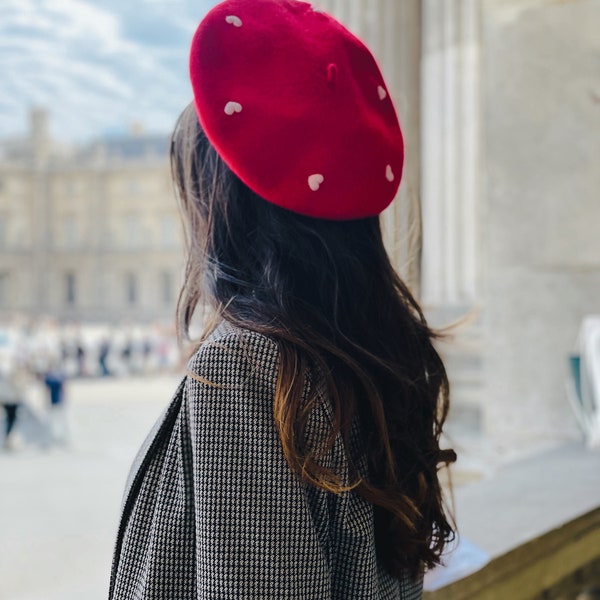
[[326, 292]]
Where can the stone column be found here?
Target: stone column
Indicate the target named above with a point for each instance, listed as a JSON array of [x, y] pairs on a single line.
[[400, 59], [450, 153], [450, 166]]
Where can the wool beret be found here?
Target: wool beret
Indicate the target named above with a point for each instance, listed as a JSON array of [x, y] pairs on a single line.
[[297, 108]]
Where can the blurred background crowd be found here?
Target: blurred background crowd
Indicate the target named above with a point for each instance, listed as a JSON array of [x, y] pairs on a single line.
[[46, 354]]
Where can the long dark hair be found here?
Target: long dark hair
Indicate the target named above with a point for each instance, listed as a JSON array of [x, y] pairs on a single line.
[[326, 292]]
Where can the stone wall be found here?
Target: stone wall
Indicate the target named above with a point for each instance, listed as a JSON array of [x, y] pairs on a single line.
[[541, 209]]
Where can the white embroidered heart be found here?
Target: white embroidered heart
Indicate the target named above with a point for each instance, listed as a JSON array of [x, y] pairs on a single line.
[[389, 174], [233, 20], [315, 181], [233, 107], [382, 93]]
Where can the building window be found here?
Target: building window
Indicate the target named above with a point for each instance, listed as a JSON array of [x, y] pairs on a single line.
[[3, 231], [133, 231], [131, 288], [134, 187], [166, 285], [70, 238], [71, 187], [4, 288], [70, 288], [168, 232]]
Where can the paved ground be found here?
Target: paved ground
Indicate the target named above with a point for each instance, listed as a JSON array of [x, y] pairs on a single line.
[[59, 508]]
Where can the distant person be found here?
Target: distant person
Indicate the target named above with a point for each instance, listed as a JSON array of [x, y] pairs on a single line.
[[11, 401], [299, 456], [81, 356], [64, 351], [12, 385], [127, 355], [162, 352], [103, 354], [147, 350], [54, 379]]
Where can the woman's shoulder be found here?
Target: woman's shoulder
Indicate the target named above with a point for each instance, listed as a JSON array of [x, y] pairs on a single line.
[[232, 355]]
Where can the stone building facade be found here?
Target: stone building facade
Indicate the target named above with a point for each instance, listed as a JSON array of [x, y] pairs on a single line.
[[88, 233]]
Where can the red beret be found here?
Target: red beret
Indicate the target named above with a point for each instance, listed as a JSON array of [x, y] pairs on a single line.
[[297, 108]]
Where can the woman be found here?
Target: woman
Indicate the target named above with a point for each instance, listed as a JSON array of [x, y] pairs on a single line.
[[299, 456]]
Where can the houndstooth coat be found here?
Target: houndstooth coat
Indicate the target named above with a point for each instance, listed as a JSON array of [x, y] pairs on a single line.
[[212, 510]]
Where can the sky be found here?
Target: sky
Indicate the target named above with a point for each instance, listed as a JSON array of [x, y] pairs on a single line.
[[98, 66]]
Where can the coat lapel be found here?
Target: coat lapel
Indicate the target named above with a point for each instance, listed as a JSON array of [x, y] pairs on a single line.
[[162, 430]]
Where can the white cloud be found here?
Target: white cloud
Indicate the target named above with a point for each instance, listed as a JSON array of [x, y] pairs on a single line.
[[95, 68]]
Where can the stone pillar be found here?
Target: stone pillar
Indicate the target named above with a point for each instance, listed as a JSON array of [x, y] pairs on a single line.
[[450, 199], [450, 159], [400, 59], [39, 137]]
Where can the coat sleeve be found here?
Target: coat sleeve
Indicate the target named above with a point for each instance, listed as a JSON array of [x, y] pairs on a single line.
[[255, 535]]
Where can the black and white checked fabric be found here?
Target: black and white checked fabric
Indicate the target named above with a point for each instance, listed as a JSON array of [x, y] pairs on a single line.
[[212, 510]]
